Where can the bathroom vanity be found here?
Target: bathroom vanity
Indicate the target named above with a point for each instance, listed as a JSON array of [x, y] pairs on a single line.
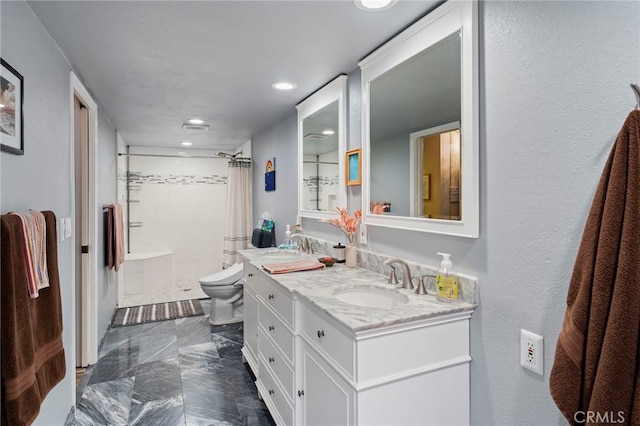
[[340, 346]]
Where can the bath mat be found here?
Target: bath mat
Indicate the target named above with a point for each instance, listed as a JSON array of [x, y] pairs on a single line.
[[157, 312]]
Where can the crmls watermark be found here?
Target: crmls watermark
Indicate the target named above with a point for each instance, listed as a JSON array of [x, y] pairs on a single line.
[[599, 417]]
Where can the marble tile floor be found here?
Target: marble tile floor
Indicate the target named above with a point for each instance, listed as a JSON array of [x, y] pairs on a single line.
[[180, 372]]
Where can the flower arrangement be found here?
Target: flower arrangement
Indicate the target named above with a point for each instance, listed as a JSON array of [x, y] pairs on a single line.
[[348, 224]]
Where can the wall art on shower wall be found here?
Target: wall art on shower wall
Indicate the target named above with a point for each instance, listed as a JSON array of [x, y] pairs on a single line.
[[270, 175], [11, 116]]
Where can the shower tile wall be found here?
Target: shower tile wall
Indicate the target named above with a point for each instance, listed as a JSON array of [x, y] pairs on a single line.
[[181, 204], [121, 192], [321, 182]]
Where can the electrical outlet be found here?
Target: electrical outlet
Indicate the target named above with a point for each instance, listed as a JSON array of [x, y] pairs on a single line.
[[363, 233], [532, 352]]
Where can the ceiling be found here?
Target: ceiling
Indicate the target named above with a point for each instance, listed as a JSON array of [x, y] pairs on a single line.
[[151, 65]]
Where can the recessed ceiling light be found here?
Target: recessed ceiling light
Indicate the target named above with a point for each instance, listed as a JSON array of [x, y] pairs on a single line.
[[195, 121], [186, 143], [375, 5], [328, 132], [284, 85]]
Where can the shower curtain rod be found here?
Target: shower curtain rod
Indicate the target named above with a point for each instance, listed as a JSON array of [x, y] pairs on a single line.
[[184, 156]]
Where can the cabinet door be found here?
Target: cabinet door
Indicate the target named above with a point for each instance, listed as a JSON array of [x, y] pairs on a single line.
[[251, 328], [326, 398]]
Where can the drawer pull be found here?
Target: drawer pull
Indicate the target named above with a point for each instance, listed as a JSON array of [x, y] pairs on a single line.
[[301, 393], [271, 359], [271, 391], [320, 333], [271, 328], [271, 296]]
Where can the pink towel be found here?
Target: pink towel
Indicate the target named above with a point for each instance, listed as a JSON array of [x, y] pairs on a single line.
[[35, 254], [293, 266]]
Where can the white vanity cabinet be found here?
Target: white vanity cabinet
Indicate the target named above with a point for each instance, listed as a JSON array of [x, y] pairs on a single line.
[[250, 329], [414, 373], [325, 398], [313, 369], [271, 354]]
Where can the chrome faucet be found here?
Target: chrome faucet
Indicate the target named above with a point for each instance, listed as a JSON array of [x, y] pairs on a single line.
[[422, 290], [406, 273], [304, 244]]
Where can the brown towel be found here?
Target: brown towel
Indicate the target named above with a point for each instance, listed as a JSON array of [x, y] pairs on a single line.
[[33, 359], [595, 375]]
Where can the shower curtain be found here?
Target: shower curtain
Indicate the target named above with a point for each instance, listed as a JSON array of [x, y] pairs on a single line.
[[238, 218]]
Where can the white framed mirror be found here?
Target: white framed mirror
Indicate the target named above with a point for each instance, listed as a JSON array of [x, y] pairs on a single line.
[[420, 125], [322, 119]]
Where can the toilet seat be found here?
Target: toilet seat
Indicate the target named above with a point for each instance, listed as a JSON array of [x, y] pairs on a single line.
[[225, 277]]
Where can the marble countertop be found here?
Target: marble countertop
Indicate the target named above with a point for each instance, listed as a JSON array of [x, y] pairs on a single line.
[[319, 286]]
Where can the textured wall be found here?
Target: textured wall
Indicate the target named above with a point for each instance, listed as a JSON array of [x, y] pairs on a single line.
[[280, 141], [41, 179], [106, 177], [554, 81]]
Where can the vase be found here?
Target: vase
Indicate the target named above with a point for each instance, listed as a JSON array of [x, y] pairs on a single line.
[[351, 256]]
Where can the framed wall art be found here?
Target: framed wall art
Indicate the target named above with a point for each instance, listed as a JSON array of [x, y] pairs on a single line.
[[11, 111], [354, 167], [270, 175]]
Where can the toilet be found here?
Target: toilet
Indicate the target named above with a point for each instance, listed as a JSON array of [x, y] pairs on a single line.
[[225, 290]]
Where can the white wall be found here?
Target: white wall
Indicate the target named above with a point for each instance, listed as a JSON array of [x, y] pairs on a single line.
[[182, 204], [554, 80], [106, 180], [321, 181]]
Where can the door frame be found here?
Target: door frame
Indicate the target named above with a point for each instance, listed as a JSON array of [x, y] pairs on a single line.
[[89, 326], [416, 164]]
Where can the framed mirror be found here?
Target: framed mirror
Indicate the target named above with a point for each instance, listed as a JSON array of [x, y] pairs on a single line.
[[321, 150], [420, 125]]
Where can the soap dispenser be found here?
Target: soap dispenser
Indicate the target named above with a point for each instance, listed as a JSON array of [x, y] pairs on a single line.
[[446, 281], [287, 240]]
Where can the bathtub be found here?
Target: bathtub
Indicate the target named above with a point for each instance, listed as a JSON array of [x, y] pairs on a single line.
[[148, 272]]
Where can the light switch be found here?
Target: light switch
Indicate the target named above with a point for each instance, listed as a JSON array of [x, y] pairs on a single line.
[[67, 227], [61, 229]]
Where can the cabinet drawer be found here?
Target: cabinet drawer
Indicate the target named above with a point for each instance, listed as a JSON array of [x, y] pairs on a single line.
[[330, 340], [251, 275], [271, 392], [273, 327], [280, 367], [250, 328], [277, 298]]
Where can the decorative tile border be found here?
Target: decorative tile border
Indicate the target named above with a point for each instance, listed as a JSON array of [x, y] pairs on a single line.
[[322, 181], [137, 178]]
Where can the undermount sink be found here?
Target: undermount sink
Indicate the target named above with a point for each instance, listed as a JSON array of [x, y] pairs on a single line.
[[372, 297]]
